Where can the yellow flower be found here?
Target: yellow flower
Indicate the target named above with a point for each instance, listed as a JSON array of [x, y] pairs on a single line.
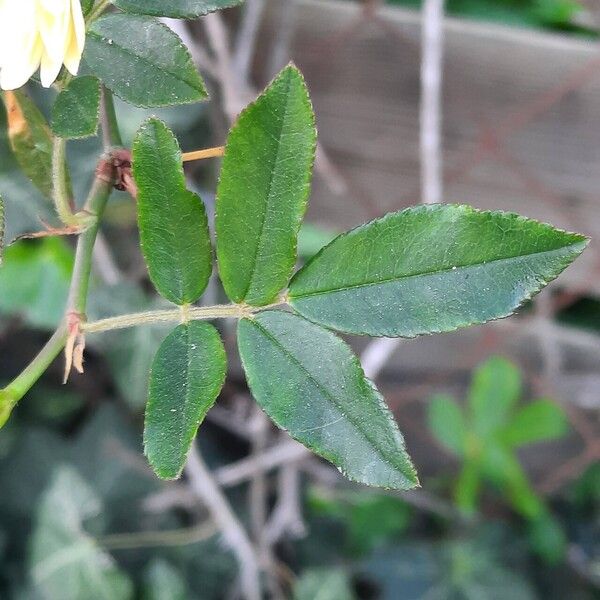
[[42, 34]]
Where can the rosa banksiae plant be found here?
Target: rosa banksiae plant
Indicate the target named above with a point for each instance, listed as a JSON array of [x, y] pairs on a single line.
[[423, 270]]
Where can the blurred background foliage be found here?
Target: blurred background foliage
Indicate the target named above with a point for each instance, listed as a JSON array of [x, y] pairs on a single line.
[[553, 15], [76, 517]]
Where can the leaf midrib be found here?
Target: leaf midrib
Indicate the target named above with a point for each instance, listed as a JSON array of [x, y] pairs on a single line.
[[178, 272], [259, 244], [452, 269], [327, 393]]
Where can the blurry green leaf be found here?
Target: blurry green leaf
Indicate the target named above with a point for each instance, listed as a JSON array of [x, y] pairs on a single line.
[[186, 378], [312, 238], [463, 570], [1, 230], [65, 562], [263, 190], [494, 392], [539, 421], [447, 423], [142, 61], [311, 384], [36, 452], [324, 584], [163, 582], [548, 538], [172, 220], [178, 9], [101, 452], [77, 108], [502, 467], [30, 139], [370, 519], [468, 484], [34, 281], [430, 269]]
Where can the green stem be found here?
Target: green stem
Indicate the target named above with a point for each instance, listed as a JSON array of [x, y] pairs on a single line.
[[77, 302], [60, 186], [97, 11], [110, 127]]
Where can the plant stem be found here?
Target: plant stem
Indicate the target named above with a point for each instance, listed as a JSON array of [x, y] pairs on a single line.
[[110, 127], [60, 187], [77, 297], [97, 11], [202, 154], [194, 313]]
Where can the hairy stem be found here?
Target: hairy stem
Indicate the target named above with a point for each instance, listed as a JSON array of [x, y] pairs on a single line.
[[110, 127], [77, 301], [193, 313], [60, 186]]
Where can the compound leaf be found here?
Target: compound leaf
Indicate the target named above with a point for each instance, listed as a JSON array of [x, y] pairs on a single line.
[[311, 384]]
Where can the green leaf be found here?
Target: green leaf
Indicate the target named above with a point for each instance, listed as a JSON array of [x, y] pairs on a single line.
[[77, 108], [172, 220], [447, 423], [30, 139], [1, 229], [178, 9], [547, 537], [494, 392], [502, 467], [430, 269], [187, 375], [142, 61], [468, 484], [539, 421], [65, 562], [40, 296], [311, 384], [263, 191], [163, 582], [324, 584]]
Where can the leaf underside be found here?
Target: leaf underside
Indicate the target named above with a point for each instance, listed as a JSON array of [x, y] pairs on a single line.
[[311, 384], [430, 269], [187, 375], [263, 191]]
